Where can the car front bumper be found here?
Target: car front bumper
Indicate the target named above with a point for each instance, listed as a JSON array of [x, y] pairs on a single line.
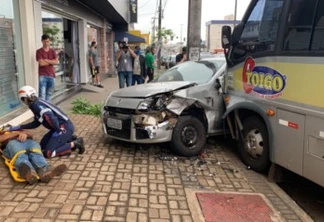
[[122, 127]]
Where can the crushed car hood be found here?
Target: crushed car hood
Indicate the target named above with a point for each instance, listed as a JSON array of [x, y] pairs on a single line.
[[151, 89]]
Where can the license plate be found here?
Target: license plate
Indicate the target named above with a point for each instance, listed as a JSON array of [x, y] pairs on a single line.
[[115, 123]]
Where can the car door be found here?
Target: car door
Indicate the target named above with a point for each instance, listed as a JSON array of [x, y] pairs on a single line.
[[212, 102]]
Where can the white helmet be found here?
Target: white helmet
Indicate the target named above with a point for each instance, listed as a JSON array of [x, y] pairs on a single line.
[[26, 92]]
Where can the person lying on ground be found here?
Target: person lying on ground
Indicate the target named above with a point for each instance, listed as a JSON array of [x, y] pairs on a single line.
[[30, 164]]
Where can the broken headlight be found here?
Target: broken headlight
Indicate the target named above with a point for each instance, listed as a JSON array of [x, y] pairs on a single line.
[[161, 102], [145, 105], [153, 104]]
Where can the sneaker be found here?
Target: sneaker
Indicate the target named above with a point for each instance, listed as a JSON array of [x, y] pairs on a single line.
[[100, 86], [47, 173], [79, 144], [27, 173], [59, 169], [73, 138]]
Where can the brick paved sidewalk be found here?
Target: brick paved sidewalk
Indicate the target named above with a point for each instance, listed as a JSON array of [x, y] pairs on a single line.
[[116, 181]]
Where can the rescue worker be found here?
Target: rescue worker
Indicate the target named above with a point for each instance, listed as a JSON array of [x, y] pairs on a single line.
[[57, 142]]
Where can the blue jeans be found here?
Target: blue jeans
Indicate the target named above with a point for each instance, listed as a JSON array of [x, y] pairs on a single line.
[[35, 161], [125, 77], [137, 79], [46, 87]]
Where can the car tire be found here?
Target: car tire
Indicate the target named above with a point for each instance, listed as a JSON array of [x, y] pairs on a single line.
[[188, 136], [254, 146]]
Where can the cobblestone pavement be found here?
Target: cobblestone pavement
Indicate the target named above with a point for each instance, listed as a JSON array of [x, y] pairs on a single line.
[[115, 181]]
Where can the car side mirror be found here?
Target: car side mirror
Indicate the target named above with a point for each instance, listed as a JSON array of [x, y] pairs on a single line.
[[218, 84], [226, 37]]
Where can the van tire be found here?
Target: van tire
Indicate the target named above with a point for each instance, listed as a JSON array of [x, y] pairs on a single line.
[[254, 146], [188, 136]]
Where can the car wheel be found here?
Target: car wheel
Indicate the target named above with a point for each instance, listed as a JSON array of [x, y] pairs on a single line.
[[254, 146], [188, 136]]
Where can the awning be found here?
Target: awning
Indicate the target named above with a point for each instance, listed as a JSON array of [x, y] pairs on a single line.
[[106, 9], [119, 36]]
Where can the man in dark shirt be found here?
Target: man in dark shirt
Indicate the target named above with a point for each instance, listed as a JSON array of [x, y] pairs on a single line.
[[46, 58], [182, 57]]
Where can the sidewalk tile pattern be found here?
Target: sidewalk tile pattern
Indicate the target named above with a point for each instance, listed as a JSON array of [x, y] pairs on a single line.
[[116, 181]]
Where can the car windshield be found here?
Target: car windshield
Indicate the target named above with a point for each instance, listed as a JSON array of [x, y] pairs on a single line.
[[196, 72]]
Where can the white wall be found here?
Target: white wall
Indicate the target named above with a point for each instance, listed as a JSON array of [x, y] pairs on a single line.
[[83, 51], [122, 6], [29, 44]]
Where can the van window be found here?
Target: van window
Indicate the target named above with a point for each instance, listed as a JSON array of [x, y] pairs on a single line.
[[318, 36], [262, 25], [299, 25], [260, 30]]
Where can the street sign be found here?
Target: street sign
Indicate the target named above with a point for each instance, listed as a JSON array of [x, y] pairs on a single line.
[[194, 54], [133, 11]]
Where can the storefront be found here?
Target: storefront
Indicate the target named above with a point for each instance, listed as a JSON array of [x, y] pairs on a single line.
[[11, 64], [64, 40], [72, 25]]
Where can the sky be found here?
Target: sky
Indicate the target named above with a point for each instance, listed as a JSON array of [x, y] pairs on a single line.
[[176, 14]]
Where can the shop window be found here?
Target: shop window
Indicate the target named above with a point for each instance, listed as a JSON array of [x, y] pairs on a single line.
[[11, 63], [64, 38]]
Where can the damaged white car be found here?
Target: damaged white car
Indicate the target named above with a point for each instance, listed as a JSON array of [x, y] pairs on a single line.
[[182, 107]]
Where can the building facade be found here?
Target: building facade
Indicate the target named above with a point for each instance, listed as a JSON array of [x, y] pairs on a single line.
[[72, 26], [214, 31]]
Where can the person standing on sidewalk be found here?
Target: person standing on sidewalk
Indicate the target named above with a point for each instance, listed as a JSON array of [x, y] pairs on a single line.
[[125, 64], [182, 57], [137, 77], [46, 58], [150, 64], [94, 65], [57, 142], [31, 163]]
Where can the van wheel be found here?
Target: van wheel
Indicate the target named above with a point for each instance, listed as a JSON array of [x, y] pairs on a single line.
[[254, 146], [188, 136]]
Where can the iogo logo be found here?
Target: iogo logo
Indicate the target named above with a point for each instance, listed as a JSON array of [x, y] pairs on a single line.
[[262, 81]]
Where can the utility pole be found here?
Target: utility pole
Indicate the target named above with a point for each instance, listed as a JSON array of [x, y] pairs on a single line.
[[153, 29], [194, 30], [159, 35], [235, 13]]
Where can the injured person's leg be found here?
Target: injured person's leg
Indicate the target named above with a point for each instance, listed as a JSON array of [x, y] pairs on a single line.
[[26, 172], [48, 172]]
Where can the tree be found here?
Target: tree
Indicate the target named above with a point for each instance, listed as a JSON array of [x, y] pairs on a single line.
[[52, 32], [166, 34]]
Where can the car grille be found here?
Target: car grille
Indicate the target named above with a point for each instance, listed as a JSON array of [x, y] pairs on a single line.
[[141, 134], [113, 110], [125, 133]]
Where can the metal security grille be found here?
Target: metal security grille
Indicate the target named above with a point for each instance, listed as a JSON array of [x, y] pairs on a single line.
[[8, 71]]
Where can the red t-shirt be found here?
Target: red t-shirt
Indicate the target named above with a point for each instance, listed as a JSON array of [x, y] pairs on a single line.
[[46, 70]]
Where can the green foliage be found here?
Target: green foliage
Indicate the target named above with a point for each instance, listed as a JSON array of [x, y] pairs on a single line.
[[83, 106], [165, 35], [52, 32]]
